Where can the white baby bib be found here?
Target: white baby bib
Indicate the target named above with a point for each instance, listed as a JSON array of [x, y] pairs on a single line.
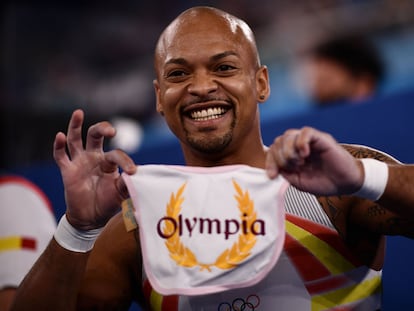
[[205, 230]]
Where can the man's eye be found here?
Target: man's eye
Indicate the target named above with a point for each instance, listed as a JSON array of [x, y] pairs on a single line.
[[225, 68], [176, 73]]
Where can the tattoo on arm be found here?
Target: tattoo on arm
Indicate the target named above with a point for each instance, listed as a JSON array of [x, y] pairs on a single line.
[[330, 208], [389, 223], [376, 210], [365, 152], [334, 212], [382, 220], [398, 226]]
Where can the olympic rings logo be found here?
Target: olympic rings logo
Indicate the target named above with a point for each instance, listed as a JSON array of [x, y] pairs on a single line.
[[239, 304]]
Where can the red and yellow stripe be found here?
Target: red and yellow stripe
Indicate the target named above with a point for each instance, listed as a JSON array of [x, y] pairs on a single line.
[[346, 295], [321, 258], [159, 302], [11, 243]]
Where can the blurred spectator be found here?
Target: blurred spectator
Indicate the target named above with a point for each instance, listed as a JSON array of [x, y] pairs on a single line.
[[348, 68], [27, 224]]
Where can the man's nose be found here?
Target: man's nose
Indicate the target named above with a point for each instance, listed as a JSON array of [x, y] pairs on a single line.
[[202, 83]]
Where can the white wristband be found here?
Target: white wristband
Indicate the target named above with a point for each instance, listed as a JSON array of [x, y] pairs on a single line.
[[375, 180], [73, 239]]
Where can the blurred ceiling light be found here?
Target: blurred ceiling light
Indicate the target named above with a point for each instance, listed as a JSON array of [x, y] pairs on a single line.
[[129, 134]]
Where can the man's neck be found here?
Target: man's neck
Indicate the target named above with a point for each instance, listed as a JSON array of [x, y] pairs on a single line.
[[255, 157]]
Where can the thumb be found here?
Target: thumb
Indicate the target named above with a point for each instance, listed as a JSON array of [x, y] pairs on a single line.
[[122, 188]]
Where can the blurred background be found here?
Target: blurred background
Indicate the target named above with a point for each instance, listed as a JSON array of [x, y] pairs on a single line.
[[98, 55]]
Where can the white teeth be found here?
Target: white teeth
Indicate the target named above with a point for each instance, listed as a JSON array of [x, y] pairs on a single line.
[[207, 114]]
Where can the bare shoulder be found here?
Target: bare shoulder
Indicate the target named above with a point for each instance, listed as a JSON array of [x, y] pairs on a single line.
[[361, 151], [359, 221], [113, 274]]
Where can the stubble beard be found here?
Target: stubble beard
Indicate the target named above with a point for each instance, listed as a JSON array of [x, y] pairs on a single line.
[[211, 144]]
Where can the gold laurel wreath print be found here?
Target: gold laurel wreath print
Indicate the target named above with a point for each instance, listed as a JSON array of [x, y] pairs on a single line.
[[230, 257]]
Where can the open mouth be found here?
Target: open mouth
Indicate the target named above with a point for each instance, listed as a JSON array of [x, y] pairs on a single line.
[[207, 113]]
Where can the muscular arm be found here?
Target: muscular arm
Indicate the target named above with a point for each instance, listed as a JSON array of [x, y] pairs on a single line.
[[399, 193], [56, 274], [107, 278], [348, 215], [6, 298], [117, 254], [363, 223], [393, 213]]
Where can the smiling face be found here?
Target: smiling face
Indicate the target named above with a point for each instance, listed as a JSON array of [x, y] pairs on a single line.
[[209, 82]]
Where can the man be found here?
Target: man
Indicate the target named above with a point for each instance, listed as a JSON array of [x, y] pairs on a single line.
[[27, 224], [346, 68], [209, 81]]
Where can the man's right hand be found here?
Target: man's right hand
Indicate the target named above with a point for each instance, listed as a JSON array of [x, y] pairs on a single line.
[[93, 185]]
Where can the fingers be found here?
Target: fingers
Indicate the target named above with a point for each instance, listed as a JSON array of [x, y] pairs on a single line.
[[122, 188], [118, 158], [303, 140], [289, 151], [115, 159], [59, 150], [96, 135], [74, 135]]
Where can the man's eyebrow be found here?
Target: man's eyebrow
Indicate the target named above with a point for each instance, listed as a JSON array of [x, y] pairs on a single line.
[[182, 61], [223, 55], [179, 61]]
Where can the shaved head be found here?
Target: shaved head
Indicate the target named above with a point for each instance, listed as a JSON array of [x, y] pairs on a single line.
[[205, 21]]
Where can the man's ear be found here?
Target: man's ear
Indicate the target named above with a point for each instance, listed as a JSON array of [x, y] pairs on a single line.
[[157, 97], [262, 84]]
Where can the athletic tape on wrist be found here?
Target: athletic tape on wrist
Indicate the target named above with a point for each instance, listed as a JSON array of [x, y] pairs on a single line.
[[375, 180], [73, 239]]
